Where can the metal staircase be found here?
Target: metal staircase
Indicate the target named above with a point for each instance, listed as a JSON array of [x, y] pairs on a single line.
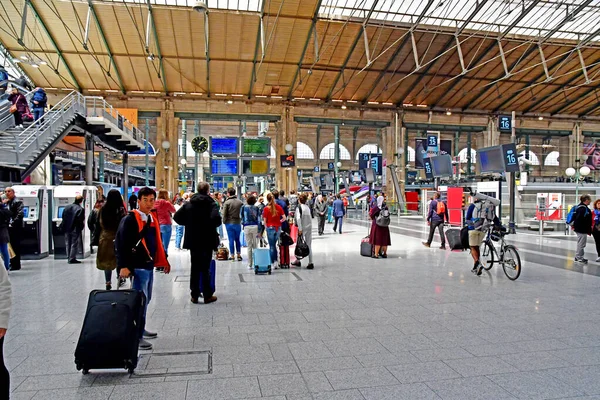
[[21, 150]]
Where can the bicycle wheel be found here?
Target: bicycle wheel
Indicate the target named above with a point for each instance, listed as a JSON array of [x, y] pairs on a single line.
[[486, 255], [512, 262]]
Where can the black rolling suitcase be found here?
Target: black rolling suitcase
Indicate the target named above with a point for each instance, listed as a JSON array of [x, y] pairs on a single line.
[[454, 239], [110, 334]]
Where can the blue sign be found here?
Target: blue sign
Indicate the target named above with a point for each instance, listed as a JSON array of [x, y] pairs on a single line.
[[330, 166], [224, 146], [505, 123], [511, 158], [316, 169], [432, 145], [428, 168], [368, 160], [224, 166]]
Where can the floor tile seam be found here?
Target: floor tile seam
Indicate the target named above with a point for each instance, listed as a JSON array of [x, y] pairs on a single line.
[[489, 376], [400, 384]]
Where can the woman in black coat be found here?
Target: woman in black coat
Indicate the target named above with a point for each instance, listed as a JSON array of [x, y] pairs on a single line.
[[20, 102]]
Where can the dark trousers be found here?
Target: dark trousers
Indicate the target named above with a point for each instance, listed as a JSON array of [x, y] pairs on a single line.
[[72, 244], [596, 235], [339, 220], [322, 219], [4, 376], [18, 118], [15, 235], [200, 266], [440, 226]]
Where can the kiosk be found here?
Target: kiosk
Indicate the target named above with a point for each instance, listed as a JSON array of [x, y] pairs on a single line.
[[37, 203], [62, 197]]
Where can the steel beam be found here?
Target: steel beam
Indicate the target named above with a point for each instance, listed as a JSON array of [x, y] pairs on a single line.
[[207, 53], [482, 55], [459, 31], [259, 39], [397, 51], [53, 42], [109, 51], [310, 34], [360, 33], [158, 53], [531, 49]]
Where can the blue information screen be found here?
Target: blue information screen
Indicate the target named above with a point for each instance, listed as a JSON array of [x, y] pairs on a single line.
[[428, 168], [376, 162], [224, 146], [224, 166]]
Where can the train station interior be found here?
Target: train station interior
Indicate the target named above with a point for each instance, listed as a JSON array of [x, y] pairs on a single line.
[[397, 105]]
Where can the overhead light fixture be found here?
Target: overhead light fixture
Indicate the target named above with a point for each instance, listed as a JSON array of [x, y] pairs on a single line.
[[541, 118], [407, 104], [111, 91], [352, 101], [136, 91], [151, 56], [337, 100], [154, 92], [196, 94], [34, 65], [229, 101], [422, 105], [315, 99], [23, 57], [373, 102], [277, 97], [237, 95], [221, 94], [448, 112], [344, 107], [298, 98], [94, 90], [260, 96], [200, 7], [388, 104]]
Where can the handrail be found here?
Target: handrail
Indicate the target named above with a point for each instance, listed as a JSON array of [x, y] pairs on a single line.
[[110, 166]]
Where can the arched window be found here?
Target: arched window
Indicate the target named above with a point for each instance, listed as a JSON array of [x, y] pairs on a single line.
[[462, 156], [551, 159], [411, 154], [532, 157], [368, 148], [328, 152], [304, 152]]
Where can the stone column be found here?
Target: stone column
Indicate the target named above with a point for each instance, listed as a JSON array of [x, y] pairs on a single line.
[[286, 133], [167, 130]]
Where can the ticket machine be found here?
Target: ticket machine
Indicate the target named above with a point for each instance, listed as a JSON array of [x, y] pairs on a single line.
[[37, 203], [62, 197]]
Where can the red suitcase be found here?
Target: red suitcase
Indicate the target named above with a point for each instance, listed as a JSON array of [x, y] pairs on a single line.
[[284, 256]]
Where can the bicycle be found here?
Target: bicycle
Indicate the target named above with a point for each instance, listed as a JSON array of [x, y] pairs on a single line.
[[505, 254]]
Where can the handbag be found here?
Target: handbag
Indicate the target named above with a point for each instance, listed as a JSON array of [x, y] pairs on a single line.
[[13, 109], [302, 249], [285, 239], [11, 252], [383, 219]]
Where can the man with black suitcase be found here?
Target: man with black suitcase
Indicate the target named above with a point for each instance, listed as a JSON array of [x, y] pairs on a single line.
[[139, 250]]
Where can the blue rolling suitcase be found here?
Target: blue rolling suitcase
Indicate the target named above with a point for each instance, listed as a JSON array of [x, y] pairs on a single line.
[[213, 272], [262, 261]]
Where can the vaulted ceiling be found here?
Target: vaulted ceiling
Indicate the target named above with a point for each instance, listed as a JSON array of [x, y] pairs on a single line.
[[531, 56]]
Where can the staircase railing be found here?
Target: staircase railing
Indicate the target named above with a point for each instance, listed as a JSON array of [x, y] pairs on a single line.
[[6, 118], [53, 123]]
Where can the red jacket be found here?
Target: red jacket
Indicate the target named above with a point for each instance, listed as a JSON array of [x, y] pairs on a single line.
[[164, 210]]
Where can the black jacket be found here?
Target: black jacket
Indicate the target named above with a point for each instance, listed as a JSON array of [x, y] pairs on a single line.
[[16, 213], [4, 221], [201, 218], [73, 218], [582, 221], [94, 227]]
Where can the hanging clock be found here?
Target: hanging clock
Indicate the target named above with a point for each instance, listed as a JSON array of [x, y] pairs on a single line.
[[199, 144]]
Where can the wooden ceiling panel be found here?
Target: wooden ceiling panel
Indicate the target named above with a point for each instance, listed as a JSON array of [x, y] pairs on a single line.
[[221, 81], [89, 72], [310, 84], [124, 27], [328, 39], [384, 39], [286, 41], [57, 17], [138, 73], [274, 79], [300, 8]]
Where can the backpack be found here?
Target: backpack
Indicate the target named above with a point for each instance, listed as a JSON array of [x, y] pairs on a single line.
[[482, 212], [441, 208], [570, 220], [383, 219]]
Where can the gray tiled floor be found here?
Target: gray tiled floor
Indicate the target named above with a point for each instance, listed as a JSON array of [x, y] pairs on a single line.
[[418, 325]]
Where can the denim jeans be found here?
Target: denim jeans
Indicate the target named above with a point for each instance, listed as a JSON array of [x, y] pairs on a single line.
[[5, 255], [338, 220], [143, 280], [233, 234], [273, 237], [165, 236], [37, 113], [178, 235]]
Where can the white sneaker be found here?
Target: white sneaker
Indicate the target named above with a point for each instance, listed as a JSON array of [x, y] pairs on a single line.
[[598, 259]]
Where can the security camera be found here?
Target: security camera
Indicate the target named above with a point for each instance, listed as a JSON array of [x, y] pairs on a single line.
[[200, 6]]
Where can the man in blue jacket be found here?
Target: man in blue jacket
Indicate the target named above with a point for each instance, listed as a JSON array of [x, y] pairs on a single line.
[[338, 212], [38, 103], [435, 219]]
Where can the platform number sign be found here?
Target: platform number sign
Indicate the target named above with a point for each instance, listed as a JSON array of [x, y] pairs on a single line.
[[505, 123], [428, 168], [511, 159], [431, 141]]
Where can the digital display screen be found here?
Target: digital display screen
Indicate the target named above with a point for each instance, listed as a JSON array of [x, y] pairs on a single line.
[[60, 212], [222, 146], [511, 158], [256, 146], [441, 165], [226, 166], [255, 167], [25, 212], [376, 162], [428, 168], [505, 123], [490, 159], [287, 160], [330, 166]]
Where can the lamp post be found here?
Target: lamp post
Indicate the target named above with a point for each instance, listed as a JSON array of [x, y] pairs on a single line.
[[578, 175], [183, 174]]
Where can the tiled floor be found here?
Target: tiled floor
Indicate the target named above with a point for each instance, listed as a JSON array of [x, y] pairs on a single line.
[[418, 325]]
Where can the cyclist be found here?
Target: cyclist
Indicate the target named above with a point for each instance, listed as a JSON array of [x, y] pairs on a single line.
[[480, 216]]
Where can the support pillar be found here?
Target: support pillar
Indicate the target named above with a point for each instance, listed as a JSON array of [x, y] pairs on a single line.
[[147, 157], [197, 176], [183, 178], [125, 182], [513, 182], [89, 160], [166, 160], [286, 133], [336, 169], [101, 166]]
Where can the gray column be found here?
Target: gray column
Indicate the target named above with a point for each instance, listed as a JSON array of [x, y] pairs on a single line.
[[89, 160], [197, 178], [183, 180], [101, 166], [125, 180]]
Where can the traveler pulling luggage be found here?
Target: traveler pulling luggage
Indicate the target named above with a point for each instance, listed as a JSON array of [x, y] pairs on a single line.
[[110, 333], [453, 236]]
